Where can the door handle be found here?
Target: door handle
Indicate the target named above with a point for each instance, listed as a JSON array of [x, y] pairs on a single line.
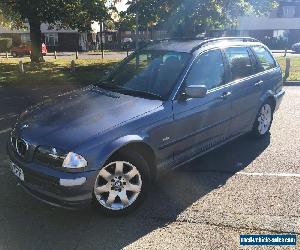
[[225, 95], [259, 83]]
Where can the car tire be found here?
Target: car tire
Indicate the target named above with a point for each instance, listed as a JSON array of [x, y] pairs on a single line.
[[263, 120], [122, 184]]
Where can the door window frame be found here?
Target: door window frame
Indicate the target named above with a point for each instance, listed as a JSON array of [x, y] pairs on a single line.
[[226, 73], [259, 63], [231, 81]]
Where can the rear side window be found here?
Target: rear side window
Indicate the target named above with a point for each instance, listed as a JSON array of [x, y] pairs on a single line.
[[265, 58], [239, 62]]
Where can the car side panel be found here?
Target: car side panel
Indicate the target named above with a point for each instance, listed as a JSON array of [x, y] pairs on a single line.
[[246, 96], [200, 123]]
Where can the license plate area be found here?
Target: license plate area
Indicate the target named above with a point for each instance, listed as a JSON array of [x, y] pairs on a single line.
[[17, 171]]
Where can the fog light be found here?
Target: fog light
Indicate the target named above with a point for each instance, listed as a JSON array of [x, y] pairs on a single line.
[[72, 182]]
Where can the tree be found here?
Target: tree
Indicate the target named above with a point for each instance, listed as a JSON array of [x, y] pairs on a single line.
[[186, 17], [75, 14]]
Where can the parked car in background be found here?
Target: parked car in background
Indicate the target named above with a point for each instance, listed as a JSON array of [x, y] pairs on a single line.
[[25, 50], [163, 106], [127, 43], [296, 47]]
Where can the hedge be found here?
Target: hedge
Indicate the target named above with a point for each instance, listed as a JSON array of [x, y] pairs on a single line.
[[5, 44]]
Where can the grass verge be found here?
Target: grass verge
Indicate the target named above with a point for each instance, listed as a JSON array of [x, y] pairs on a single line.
[[295, 67], [54, 71], [87, 71]]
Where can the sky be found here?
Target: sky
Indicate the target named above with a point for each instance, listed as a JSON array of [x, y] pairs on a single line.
[[122, 5]]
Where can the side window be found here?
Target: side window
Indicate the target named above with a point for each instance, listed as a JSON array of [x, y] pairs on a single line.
[[208, 69], [239, 62], [265, 59]]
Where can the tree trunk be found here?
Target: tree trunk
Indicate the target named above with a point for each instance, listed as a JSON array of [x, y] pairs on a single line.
[[36, 40]]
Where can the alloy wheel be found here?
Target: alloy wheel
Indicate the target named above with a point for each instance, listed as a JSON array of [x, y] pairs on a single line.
[[118, 185], [264, 119]]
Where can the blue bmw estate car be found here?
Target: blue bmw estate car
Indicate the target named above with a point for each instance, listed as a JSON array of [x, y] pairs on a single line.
[[161, 107]]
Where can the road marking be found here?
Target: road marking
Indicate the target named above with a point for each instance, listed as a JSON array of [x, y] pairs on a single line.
[[270, 174], [5, 131]]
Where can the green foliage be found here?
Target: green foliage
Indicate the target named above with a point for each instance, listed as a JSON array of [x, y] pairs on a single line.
[[195, 16], [126, 22], [5, 44], [77, 14]]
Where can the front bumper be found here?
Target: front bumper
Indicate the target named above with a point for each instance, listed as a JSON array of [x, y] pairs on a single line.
[[44, 183], [278, 98]]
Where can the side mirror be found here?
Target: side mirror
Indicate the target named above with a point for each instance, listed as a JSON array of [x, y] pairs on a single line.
[[196, 91]]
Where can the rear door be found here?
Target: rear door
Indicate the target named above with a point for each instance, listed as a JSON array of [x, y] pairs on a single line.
[[245, 87], [201, 123], [267, 70]]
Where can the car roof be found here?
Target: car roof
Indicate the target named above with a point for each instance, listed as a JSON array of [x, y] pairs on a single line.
[[174, 45], [189, 46]]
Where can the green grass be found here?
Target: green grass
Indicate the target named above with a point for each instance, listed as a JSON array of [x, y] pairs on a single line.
[[294, 70], [87, 71], [54, 71]]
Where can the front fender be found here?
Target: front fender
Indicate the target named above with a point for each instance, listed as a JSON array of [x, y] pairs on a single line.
[[99, 154]]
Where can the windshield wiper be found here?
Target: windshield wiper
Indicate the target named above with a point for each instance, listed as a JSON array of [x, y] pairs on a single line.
[[119, 89], [140, 93], [108, 86]]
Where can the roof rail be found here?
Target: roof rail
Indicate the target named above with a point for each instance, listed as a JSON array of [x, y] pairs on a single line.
[[242, 39]]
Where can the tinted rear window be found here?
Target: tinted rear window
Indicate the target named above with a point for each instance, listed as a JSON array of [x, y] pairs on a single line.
[[239, 62], [265, 59]]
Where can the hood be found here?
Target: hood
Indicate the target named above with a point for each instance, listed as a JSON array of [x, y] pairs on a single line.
[[71, 119]]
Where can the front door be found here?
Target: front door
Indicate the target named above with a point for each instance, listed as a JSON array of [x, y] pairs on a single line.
[[201, 123]]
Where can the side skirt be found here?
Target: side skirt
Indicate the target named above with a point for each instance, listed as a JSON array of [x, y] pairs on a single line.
[[166, 168]]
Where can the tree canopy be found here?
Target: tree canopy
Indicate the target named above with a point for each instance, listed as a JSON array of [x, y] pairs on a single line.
[[192, 16], [75, 14]]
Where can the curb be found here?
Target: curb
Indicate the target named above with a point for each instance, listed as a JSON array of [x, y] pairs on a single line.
[[291, 83]]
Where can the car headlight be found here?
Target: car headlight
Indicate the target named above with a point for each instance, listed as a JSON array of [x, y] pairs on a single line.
[[59, 158], [74, 160]]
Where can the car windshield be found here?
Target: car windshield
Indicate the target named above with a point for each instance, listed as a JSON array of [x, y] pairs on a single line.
[[149, 74]]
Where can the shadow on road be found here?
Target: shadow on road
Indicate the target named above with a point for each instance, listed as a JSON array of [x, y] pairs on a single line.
[[31, 224]]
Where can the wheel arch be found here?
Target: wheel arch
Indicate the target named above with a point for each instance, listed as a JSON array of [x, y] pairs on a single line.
[[132, 143], [143, 149], [269, 96]]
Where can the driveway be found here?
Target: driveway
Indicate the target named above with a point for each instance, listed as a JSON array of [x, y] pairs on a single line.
[[247, 186]]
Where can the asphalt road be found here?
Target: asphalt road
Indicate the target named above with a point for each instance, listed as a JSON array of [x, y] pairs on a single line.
[[247, 186]]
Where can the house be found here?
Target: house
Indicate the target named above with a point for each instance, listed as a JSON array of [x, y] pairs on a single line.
[[280, 29], [55, 38]]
